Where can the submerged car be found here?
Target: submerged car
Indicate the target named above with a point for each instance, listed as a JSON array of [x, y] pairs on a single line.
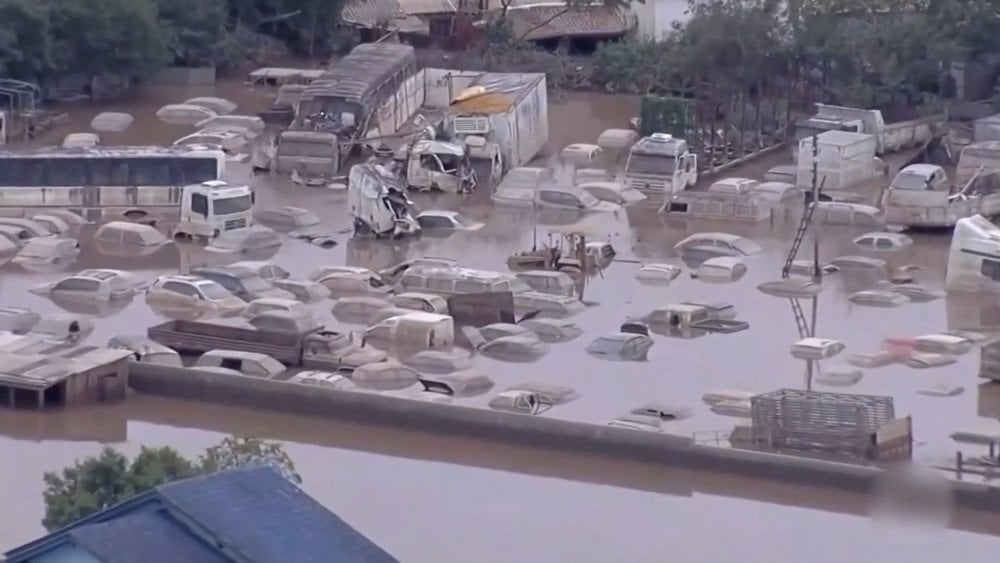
[[267, 270], [257, 238], [877, 298], [521, 402], [289, 217], [657, 273], [244, 283], [303, 290], [519, 186], [883, 241], [439, 219], [47, 252], [192, 293], [816, 348], [720, 269], [624, 346], [574, 200], [613, 192], [439, 361], [97, 284], [552, 330], [251, 364], [717, 244], [18, 320], [385, 375], [323, 379], [126, 233], [548, 304]]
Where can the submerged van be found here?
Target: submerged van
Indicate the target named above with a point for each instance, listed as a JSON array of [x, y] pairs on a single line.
[[456, 281], [424, 330]]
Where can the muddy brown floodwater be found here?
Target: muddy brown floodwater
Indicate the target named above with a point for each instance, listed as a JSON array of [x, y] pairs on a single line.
[[428, 498]]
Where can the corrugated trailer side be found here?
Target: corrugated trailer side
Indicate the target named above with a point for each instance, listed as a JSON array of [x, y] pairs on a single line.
[[531, 122]]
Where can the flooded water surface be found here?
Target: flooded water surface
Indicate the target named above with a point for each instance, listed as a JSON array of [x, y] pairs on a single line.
[[429, 498]]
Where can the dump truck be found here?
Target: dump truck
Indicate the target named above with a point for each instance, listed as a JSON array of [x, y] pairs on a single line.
[[889, 137], [316, 349]]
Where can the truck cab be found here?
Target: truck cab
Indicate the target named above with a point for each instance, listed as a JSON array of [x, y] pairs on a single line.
[[378, 203], [215, 206], [308, 153], [660, 165], [439, 165]]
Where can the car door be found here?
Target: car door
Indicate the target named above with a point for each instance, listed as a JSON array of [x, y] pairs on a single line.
[[177, 294]]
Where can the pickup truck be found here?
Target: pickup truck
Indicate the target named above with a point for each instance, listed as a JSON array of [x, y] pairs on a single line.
[[316, 349], [922, 195]]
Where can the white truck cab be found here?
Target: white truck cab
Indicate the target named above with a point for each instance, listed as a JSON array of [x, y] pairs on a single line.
[[210, 208], [439, 165], [660, 165], [378, 203]]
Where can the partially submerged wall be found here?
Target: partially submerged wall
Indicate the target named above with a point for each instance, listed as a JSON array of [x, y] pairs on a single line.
[[533, 431]]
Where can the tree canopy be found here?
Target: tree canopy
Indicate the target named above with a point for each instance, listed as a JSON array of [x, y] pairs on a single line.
[[43, 39], [852, 51], [98, 482]]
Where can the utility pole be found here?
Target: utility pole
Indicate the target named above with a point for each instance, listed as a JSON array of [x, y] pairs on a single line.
[[817, 273]]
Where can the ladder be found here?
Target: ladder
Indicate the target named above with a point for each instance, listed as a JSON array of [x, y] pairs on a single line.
[[800, 235], [800, 319]]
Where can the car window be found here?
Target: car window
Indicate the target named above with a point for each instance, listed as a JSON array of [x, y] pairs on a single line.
[[470, 286], [867, 241], [883, 243], [439, 284], [75, 284], [131, 237], [109, 235], [435, 222], [181, 288], [411, 281]]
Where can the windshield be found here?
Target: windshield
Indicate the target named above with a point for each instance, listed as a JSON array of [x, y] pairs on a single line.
[[230, 205], [649, 164], [305, 148], [607, 346], [255, 283], [747, 246], [588, 199], [909, 181], [213, 290]]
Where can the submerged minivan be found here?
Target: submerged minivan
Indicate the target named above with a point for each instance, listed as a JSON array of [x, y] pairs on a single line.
[[455, 281]]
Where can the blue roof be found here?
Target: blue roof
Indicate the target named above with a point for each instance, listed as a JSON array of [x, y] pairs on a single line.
[[250, 514], [150, 536], [266, 518]]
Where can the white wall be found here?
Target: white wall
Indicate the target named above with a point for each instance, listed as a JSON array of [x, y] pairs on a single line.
[[656, 17]]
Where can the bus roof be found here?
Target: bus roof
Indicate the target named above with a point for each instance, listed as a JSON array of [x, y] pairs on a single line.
[[114, 152], [363, 70]]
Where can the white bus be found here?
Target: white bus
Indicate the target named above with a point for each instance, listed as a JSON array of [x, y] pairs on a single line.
[[105, 181]]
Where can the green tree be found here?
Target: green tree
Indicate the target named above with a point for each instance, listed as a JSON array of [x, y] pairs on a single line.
[[119, 37], [25, 39], [98, 482], [195, 31]]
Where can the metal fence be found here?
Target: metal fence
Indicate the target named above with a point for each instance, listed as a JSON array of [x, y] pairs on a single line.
[[791, 419]]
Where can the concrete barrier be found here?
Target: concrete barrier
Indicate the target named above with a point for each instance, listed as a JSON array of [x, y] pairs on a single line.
[[532, 431]]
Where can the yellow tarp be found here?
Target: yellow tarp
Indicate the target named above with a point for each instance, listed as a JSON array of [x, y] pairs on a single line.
[[482, 103]]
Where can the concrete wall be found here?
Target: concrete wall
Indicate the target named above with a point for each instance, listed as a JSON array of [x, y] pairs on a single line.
[[177, 76], [532, 431]]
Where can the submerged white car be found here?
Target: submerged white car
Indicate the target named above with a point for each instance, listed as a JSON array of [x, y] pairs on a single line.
[[440, 219]]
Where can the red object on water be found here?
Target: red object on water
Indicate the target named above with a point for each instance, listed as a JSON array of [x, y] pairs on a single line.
[[902, 345]]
